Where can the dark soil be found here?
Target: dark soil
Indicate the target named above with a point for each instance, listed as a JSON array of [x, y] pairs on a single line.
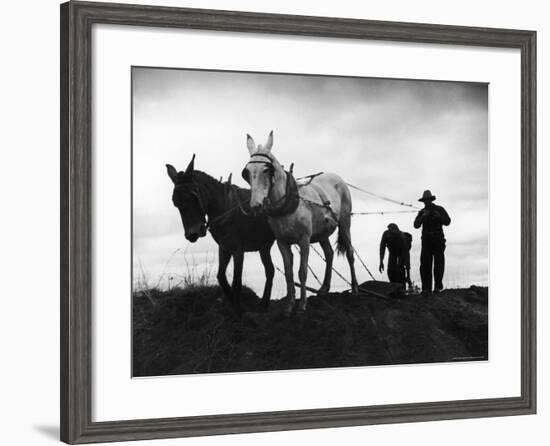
[[193, 330]]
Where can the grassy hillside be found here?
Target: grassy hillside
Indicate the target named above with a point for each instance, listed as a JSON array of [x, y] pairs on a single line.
[[192, 330]]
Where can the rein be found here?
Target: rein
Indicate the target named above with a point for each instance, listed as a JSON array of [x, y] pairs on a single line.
[[239, 206]]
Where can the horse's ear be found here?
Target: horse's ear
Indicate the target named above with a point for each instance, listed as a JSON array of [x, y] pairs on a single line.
[[250, 144], [229, 178], [172, 172], [269, 143], [190, 169]]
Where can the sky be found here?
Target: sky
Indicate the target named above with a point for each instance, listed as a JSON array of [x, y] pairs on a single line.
[[392, 137]]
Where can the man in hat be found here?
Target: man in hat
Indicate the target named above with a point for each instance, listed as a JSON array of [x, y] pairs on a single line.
[[432, 219], [399, 246]]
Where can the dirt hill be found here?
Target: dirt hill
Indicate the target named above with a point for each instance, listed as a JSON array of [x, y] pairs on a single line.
[[193, 330]]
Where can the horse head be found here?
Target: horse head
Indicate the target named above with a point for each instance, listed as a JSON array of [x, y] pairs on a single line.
[[187, 198], [262, 172]]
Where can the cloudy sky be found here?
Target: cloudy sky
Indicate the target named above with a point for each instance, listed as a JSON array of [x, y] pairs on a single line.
[[392, 137]]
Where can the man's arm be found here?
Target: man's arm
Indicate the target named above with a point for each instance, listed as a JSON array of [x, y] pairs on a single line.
[[445, 219], [419, 219], [407, 259], [383, 243], [442, 216]]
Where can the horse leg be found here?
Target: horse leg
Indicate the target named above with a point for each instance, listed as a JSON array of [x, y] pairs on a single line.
[[329, 255], [286, 253], [302, 272], [265, 255], [237, 284], [223, 260], [351, 260], [344, 240]]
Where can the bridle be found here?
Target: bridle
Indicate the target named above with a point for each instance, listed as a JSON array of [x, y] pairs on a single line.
[[269, 163], [289, 201], [210, 222], [194, 191]]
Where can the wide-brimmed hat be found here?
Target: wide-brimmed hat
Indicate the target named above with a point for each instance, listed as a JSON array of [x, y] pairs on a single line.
[[427, 196]]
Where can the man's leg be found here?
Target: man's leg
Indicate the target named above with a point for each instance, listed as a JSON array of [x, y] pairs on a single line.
[[392, 268], [439, 263], [426, 257], [402, 276], [396, 271]]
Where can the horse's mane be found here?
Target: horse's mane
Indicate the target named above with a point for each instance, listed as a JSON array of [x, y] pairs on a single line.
[[225, 195], [204, 178]]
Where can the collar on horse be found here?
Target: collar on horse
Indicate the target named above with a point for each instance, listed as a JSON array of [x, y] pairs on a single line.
[[288, 203]]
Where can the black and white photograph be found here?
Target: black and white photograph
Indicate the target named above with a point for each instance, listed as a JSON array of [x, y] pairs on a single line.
[[254, 222], [287, 221]]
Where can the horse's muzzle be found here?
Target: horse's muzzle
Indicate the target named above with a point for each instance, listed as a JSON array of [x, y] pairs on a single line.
[[193, 236], [202, 230]]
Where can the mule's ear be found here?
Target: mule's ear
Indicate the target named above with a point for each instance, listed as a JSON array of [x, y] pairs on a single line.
[[269, 144], [190, 169], [250, 144], [172, 172]]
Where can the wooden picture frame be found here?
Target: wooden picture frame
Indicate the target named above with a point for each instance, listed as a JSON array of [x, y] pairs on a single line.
[[77, 19]]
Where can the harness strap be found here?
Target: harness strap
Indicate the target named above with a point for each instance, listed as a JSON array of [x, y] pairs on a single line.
[[225, 215], [195, 192], [262, 155], [288, 203], [239, 203], [309, 178]]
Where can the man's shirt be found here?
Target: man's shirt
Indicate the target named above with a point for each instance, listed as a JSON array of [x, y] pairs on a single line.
[[432, 220]]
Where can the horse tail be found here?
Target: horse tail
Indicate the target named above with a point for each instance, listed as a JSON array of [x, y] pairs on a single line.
[[341, 243]]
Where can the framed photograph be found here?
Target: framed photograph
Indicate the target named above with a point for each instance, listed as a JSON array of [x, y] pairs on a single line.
[[274, 222]]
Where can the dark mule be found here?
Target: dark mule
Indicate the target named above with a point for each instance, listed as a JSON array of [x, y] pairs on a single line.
[[197, 196]]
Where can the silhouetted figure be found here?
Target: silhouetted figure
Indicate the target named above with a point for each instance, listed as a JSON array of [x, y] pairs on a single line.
[[432, 219], [399, 246]]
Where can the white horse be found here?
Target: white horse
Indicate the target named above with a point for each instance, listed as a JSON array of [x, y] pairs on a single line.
[[301, 215]]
